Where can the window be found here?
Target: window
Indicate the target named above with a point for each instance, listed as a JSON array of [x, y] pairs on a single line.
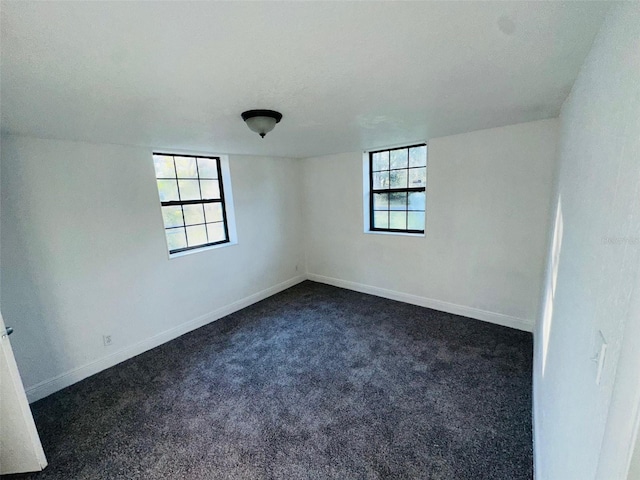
[[192, 195], [397, 180]]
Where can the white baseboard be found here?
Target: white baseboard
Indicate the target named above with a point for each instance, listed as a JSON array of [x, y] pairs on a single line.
[[47, 387], [535, 421], [471, 312], [536, 415]]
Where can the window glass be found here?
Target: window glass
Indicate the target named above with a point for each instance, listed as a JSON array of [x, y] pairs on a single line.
[[192, 201], [398, 184]]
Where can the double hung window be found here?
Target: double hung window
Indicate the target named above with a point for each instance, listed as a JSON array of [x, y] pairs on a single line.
[[192, 197], [397, 189]]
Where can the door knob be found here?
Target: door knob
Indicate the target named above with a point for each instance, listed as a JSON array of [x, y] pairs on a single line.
[[8, 331]]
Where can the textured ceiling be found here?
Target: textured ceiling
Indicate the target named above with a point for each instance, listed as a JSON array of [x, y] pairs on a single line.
[[347, 76]]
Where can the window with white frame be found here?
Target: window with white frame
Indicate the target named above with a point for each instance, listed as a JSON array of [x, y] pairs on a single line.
[[397, 182], [192, 197]]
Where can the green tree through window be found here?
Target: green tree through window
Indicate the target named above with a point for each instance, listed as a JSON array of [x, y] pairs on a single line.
[[398, 180], [192, 198]]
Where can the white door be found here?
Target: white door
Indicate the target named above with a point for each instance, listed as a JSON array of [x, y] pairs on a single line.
[[20, 448]]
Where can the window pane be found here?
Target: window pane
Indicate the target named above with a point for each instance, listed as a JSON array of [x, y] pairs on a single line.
[[381, 219], [186, 167], [398, 220], [172, 216], [381, 161], [216, 232], [193, 214], [210, 189], [416, 201], [207, 168], [399, 158], [196, 235], [417, 177], [176, 238], [415, 221], [398, 179], [399, 169], [213, 212], [164, 166], [189, 189], [380, 201], [398, 201], [168, 190], [380, 180], [418, 156], [191, 182]]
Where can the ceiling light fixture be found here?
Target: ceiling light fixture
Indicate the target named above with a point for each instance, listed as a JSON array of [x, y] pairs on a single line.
[[261, 121]]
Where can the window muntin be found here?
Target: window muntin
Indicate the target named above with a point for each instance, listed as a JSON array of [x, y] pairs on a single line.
[[397, 189], [192, 200]]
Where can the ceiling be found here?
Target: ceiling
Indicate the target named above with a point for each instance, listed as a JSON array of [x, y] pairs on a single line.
[[346, 76]]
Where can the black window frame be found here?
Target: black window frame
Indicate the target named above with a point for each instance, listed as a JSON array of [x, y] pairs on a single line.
[[373, 191], [201, 201]]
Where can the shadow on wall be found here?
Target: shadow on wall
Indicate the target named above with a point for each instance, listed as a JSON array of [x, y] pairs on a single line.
[[550, 283], [29, 289]]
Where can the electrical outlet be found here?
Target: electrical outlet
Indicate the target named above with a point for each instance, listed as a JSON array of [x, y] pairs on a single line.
[[107, 340]]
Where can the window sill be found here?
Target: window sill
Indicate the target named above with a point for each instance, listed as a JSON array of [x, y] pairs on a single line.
[[203, 249], [402, 234]]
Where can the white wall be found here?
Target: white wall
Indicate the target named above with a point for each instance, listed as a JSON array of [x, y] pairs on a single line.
[[84, 254], [488, 196], [634, 468], [83, 249], [583, 430]]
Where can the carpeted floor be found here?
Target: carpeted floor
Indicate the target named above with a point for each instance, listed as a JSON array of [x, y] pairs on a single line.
[[315, 382]]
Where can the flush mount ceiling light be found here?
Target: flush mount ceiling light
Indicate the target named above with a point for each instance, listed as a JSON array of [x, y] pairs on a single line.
[[261, 121]]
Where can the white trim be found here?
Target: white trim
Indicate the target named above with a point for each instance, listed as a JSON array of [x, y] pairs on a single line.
[[402, 234], [365, 192], [47, 387], [202, 249], [535, 417], [537, 457], [635, 437], [471, 312], [228, 199]]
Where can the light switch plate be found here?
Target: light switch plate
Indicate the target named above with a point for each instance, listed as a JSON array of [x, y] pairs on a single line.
[[600, 355]]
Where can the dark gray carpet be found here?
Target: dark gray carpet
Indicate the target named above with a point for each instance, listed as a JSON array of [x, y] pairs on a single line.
[[315, 382]]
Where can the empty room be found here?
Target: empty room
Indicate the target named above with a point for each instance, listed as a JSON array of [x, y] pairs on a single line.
[[320, 240]]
